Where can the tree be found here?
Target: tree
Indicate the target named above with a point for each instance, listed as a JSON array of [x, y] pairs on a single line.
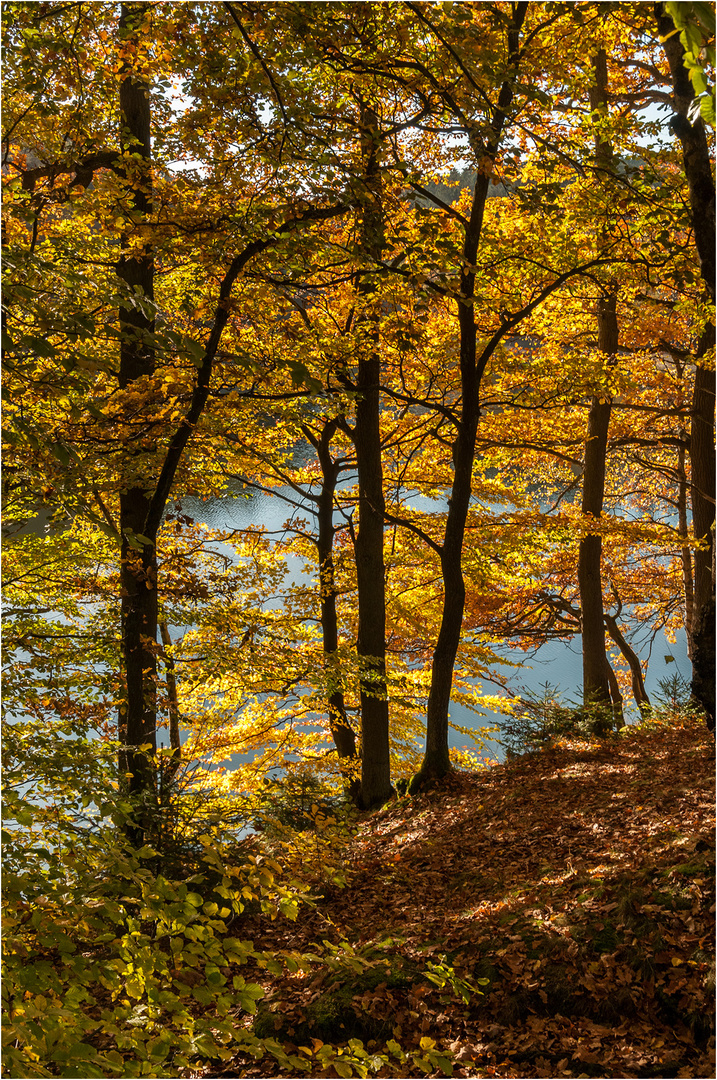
[[596, 678], [692, 134], [144, 478]]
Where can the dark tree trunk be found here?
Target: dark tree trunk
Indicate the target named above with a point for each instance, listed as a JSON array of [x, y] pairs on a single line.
[[596, 666], [702, 456], [700, 181], [618, 718], [686, 556], [341, 730], [138, 574], [148, 486], [695, 151], [596, 685], [702, 460], [436, 760], [370, 569], [175, 741]]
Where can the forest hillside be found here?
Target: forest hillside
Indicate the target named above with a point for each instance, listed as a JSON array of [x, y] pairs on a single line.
[[572, 887]]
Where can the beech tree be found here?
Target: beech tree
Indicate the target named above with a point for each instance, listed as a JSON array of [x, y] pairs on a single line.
[[146, 475], [596, 679], [691, 131]]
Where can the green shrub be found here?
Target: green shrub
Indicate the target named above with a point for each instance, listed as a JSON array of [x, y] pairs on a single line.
[[543, 718]]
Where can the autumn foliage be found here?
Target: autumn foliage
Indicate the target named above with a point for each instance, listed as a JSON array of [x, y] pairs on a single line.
[[353, 352]]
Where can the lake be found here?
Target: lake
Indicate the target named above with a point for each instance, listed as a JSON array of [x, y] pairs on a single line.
[[557, 662]]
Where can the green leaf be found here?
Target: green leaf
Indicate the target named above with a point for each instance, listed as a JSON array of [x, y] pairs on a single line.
[[707, 110], [38, 345], [146, 852]]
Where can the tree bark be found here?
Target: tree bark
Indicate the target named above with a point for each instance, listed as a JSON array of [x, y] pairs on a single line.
[[138, 572], [341, 730], [175, 741], [370, 569], [596, 677], [596, 686], [695, 151], [686, 554], [702, 459], [615, 696], [436, 759]]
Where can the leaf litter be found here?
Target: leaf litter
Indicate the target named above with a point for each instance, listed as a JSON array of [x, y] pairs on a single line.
[[572, 889]]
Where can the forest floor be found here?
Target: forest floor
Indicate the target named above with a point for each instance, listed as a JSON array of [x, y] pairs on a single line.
[[579, 882]]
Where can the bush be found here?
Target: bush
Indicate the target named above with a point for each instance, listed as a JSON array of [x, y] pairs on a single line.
[[543, 718], [122, 962], [307, 826]]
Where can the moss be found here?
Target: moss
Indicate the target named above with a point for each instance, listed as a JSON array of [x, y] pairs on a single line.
[[676, 899], [597, 937], [696, 868], [616, 1006], [643, 963], [335, 1014], [484, 970]]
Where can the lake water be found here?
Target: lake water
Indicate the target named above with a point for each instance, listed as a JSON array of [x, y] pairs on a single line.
[[558, 663]]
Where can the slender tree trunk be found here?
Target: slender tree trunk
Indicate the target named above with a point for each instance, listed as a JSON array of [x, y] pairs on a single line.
[[370, 569], [638, 683], [175, 741], [596, 677], [702, 459], [686, 554], [168, 765], [341, 730], [436, 759], [138, 574], [615, 696], [700, 181], [596, 685]]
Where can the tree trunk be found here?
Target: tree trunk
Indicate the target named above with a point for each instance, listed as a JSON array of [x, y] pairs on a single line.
[[175, 741], [698, 171], [138, 573], [341, 731], [436, 759], [702, 461], [703, 517], [638, 683], [615, 697], [596, 677], [686, 554], [695, 151], [370, 569], [596, 686]]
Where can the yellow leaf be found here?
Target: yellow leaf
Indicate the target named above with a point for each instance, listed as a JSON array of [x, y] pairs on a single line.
[[427, 1044]]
